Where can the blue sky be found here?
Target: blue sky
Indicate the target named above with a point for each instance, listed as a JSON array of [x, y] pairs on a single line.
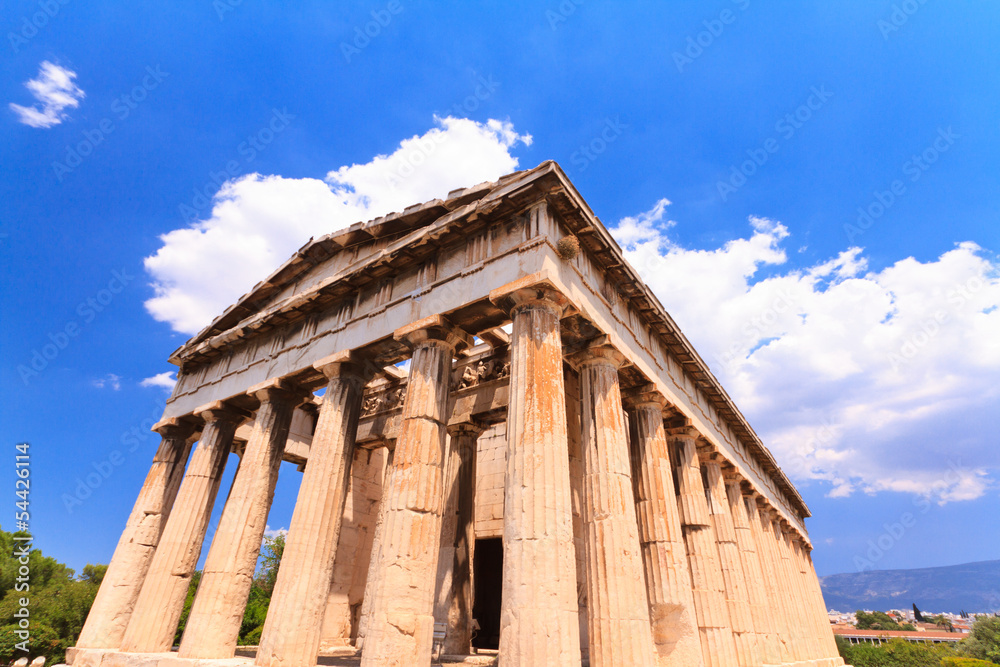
[[730, 146]]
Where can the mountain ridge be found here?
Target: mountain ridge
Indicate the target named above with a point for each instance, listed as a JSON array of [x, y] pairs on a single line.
[[971, 587]]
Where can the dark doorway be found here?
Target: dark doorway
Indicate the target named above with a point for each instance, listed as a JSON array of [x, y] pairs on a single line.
[[488, 572]]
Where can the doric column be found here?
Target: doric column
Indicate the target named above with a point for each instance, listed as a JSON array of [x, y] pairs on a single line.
[[539, 618], [737, 596], [213, 627], [809, 608], [756, 580], [375, 561], [668, 578], [401, 626], [795, 636], [112, 608], [161, 601], [760, 525], [827, 642], [453, 597], [292, 630], [709, 588], [806, 637], [618, 627], [341, 619]]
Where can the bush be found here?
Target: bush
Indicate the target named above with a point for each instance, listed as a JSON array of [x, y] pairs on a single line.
[[966, 662], [43, 641], [252, 638]]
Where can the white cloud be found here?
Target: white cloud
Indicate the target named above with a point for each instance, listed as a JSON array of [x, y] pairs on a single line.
[[869, 380], [110, 381], [164, 380], [55, 90], [274, 532], [257, 222]]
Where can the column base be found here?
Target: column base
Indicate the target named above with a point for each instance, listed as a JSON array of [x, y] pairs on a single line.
[[103, 657]]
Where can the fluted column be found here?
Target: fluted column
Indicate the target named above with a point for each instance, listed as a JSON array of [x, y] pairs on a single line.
[[760, 525], [161, 601], [794, 637], [618, 627], [718, 646], [109, 614], [375, 560], [809, 608], [756, 580], [808, 642], [213, 628], [828, 644], [401, 627], [539, 618], [292, 630], [737, 595], [453, 597], [668, 577]]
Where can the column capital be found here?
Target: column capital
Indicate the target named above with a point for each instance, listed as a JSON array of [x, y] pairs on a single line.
[[470, 428], [599, 351], [220, 411], [434, 329], [172, 427], [683, 433], [278, 389], [347, 363], [645, 396], [529, 292]]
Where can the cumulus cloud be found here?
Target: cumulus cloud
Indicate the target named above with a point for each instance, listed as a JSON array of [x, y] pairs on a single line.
[[274, 532], [54, 89], [164, 380], [257, 221], [867, 380], [111, 381]]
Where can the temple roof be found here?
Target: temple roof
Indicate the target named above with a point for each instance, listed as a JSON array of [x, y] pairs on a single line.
[[419, 229]]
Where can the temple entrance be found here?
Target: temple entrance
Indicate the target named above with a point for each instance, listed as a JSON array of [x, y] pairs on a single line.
[[488, 573]]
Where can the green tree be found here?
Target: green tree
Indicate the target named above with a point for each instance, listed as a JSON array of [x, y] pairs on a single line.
[[984, 639], [877, 620]]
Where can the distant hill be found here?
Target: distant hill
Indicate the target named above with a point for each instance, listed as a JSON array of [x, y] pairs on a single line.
[[974, 587]]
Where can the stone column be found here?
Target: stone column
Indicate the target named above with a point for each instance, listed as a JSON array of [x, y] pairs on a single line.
[[112, 608], [668, 578], [453, 598], [806, 638], [354, 547], [708, 585], [795, 636], [161, 601], [760, 525], [292, 630], [401, 627], [737, 596], [213, 627], [375, 561], [756, 580], [827, 642], [539, 622], [809, 609], [618, 627]]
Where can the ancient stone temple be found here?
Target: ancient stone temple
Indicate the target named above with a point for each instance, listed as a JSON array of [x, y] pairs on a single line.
[[515, 451]]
